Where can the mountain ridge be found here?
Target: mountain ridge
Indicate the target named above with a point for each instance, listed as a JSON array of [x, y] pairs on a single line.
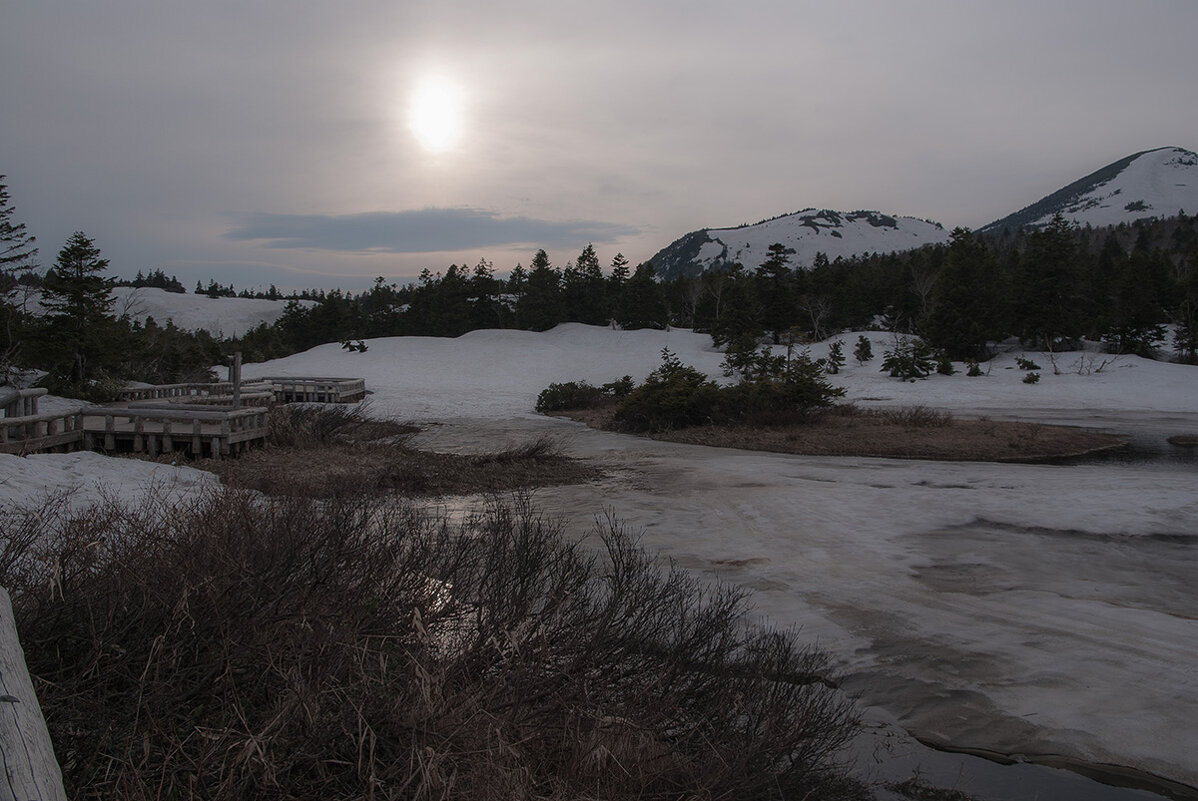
[[808, 232], [1118, 192], [1161, 182]]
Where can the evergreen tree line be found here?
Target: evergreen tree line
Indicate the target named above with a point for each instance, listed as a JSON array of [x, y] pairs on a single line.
[[1051, 288], [214, 289], [156, 279], [462, 299]]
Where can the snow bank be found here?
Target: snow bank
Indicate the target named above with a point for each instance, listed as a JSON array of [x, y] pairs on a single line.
[[498, 374], [88, 478]]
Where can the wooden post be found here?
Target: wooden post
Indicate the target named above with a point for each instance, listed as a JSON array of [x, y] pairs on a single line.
[[235, 378], [30, 769]]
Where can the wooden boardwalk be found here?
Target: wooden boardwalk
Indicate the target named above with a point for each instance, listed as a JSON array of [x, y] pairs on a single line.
[[23, 429], [195, 431], [282, 389], [193, 419]]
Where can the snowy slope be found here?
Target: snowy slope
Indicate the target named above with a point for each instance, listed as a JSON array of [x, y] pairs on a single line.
[[219, 316], [808, 232], [225, 317], [1154, 183], [497, 374]]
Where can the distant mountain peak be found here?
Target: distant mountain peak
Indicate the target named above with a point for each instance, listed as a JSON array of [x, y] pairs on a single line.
[[1153, 183], [807, 232]]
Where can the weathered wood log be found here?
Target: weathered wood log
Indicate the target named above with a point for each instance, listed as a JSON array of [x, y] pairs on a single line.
[[35, 432], [30, 769]]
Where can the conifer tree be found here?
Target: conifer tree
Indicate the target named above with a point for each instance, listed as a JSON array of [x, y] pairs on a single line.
[[1050, 303], [584, 290], [485, 289], [17, 246], [863, 351], [1185, 336], [592, 289], [835, 357], [616, 282], [517, 281], [78, 301], [739, 316], [775, 291], [966, 305], [540, 307], [643, 304], [1135, 316], [17, 250]]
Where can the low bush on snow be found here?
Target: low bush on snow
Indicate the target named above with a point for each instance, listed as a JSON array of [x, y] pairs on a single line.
[[771, 390]]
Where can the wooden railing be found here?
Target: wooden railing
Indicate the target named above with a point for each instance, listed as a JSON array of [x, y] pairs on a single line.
[[165, 418], [161, 429], [258, 395], [40, 432], [20, 402], [192, 390], [286, 389], [317, 390]]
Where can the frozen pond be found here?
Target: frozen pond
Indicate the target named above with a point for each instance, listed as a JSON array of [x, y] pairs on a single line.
[[1037, 610], [1045, 612]]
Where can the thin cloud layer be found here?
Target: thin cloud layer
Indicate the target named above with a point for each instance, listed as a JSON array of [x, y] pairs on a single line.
[[634, 126], [430, 230]]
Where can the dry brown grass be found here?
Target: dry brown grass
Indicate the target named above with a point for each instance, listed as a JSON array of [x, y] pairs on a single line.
[[337, 452], [914, 433], [346, 470], [917, 789]]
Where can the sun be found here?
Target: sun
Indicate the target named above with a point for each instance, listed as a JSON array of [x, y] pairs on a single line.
[[435, 114]]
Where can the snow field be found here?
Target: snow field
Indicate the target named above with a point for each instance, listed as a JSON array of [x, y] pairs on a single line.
[[1029, 609]]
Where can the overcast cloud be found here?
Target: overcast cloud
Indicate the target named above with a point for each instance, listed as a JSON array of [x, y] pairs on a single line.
[[269, 141], [422, 231]]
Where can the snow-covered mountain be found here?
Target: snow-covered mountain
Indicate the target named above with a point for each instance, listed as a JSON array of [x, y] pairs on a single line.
[[1154, 183], [808, 232]]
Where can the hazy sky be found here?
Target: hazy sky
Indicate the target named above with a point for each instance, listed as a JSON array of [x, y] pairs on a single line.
[[310, 143]]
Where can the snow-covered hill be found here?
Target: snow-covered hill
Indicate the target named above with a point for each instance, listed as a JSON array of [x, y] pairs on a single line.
[[498, 373], [221, 317], [1154, 183], [808, 232]]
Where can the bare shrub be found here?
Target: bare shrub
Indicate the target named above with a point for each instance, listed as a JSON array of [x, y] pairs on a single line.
[[919, 416], [306, 425], [544, 447], [241, 647]]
